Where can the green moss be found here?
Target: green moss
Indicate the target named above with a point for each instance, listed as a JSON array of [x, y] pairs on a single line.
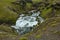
[[38, 36], [45, 12], [44, 28], [56, 32], [6, 28], [7, 36], [23, 38], [57, 13], [6, 15], [28, 6], [36, 1]]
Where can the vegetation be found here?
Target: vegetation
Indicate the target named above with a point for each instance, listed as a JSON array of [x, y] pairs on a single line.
[[48, 30], [24, 38], [7, 16]]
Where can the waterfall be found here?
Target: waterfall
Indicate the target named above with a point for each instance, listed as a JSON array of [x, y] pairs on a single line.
[[25, 23]]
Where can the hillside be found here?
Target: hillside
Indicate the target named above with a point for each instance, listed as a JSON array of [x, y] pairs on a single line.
[[48, 30], [6, 15]]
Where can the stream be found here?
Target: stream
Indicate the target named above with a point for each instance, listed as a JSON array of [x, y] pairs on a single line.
[[25, 23]]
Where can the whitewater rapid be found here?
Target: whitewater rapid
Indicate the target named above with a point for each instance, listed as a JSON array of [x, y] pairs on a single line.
[[25, 23]]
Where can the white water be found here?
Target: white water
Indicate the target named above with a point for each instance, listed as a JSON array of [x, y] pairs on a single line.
[[25, 23]]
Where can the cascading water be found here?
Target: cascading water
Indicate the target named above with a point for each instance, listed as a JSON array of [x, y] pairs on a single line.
[[25, 23]]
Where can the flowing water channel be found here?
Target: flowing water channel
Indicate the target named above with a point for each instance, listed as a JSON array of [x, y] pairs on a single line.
[[25, 23]]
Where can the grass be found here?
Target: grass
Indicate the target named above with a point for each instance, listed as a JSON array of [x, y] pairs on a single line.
[[45, 12], [23, 38], [5, 14], [7, 29], [7, 36], [28, 6], [36, 1], [8, 16]]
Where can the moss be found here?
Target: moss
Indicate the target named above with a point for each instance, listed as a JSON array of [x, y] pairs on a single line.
[[7, 28], [36, 1], [6, 15], [28, 6], [38, 36], [56, 32], [23, 38], [7, 36], [57, 13], [45, 12], [44, 28]]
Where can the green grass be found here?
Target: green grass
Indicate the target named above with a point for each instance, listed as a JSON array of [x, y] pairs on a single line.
[[7, 15], [7, 36], [36, 1], [7, 29], [45, 12], [23, 38]]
